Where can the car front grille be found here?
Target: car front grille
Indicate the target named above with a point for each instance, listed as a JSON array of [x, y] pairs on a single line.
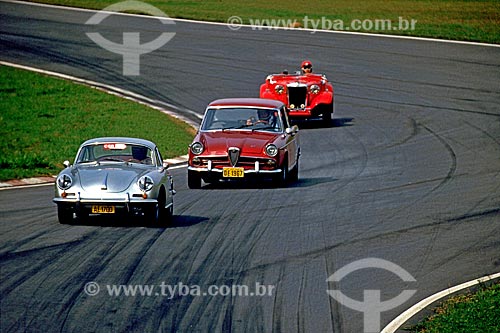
[[243, 162], [297, 97]]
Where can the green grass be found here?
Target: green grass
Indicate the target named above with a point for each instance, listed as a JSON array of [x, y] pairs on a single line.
[[43, 120], [471, 313], [470, 20]]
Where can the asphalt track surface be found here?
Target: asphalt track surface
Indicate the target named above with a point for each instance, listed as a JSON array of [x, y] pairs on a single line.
[[408, 172]]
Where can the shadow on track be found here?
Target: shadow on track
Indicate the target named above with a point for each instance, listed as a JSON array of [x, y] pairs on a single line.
[[316, 123], [177, 221], [264, 184]]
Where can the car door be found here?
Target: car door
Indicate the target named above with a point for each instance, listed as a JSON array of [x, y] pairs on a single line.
[[292, 140]]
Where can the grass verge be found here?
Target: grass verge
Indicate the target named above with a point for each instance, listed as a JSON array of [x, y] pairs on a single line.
[[43, 120], [471, 313], [467, 20]]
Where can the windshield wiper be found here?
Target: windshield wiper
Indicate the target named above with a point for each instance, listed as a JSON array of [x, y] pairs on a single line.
[[112, 159], [264, 128], [236, 127]]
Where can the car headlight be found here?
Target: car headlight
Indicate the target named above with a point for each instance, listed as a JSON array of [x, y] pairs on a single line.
[[279, 89], [197, 148], [271, 150], [314, 89], [64, 182], [145, 183]]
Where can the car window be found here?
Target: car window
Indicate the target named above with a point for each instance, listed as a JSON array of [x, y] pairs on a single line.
[[115, 152], [242, 118]]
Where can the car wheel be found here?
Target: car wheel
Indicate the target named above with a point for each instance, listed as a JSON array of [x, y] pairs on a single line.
[[294, 174], [157, 212], [194, 179], [282, 178], [326, 116], [153, 215], [64, 214]]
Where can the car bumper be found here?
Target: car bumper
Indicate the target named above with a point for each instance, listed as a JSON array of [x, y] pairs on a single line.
[[102, 201], [302, 113], [246, 171], [125, 204]]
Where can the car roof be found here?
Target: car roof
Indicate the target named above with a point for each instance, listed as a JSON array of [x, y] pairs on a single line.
[[258, 102], [120, 140]]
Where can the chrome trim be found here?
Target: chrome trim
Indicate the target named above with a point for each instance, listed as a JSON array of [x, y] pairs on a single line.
[[297, 85], [245, 171], [104, 185], [98, 201], [234, 155]]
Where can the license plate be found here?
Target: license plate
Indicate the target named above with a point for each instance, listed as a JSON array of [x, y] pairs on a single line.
[[233, 172], [103, 209]]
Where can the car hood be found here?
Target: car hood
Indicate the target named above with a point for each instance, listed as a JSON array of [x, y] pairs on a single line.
[[250, 143], [111, 178]]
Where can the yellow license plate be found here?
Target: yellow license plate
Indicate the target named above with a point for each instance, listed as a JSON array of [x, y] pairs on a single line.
[[233, 172], [103, 209]]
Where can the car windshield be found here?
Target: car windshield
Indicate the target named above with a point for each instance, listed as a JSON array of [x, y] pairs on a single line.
[[242, 118], [115, 152]]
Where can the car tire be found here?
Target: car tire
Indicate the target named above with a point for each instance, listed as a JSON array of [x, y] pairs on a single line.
[[194, 179], [294, 174], [282, 178], [64, 214], [155, 215], [326, 116], [158, 212]]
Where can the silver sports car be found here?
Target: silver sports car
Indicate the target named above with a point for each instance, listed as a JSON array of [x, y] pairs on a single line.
[[115, 175]]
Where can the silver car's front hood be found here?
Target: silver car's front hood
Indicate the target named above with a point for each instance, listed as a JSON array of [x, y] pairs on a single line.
[[110, 178]]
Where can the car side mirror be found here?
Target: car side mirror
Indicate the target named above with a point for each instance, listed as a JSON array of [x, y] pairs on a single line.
[[66, 164], [165, 165], [292, 130]]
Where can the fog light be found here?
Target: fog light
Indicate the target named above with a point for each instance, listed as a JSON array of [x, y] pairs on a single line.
[[64, 195], [271, 163], [144, 195], [196, 161]]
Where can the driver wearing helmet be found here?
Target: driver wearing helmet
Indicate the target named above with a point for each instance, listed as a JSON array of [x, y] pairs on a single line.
[[306, 67], [263, 117]]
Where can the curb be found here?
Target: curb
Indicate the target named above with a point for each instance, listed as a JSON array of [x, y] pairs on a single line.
[[27, 181], [47, 180], [400, 320]]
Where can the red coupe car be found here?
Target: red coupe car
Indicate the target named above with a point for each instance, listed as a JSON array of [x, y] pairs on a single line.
[[305, 95], [241, 138]]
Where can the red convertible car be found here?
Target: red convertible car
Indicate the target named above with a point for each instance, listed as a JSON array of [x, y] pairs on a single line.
[[306, 95], [241, 138]]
